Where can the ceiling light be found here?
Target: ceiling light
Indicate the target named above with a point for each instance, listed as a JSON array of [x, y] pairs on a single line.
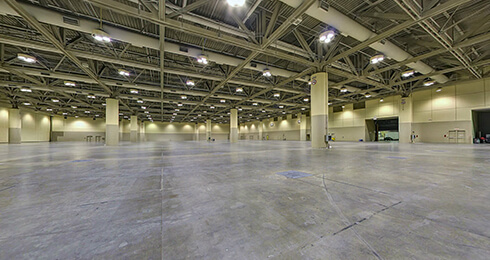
[[70, 83], [367, 95], [327, 36], [87, 112], [183, 97], [255, 104], [27, 104], [263, 111], [343, 106], [303, 108], [147, 112], [74, 107], [179, 104], [222, 101], [343, 89], [212, 107], [190, 83], [236, 3], [143, 107], [250, 115], [377, 59], [25, 89], [439, 89], [198, 114], [90, 95], [121, 114], [76, 116], [266, 73], [329, 103], [174, 114], [104, 104], [408, 73], [203, 59], [49, 109], [133, 91], [65, 114], [55, 100], [277, 94], [140, 101], [239, 89], [177, 109], [240, 109], [123, 72], [281, 106], [306, 99], [26, 58], [283, 112], [381, 100], [101, 36], [429, 83]]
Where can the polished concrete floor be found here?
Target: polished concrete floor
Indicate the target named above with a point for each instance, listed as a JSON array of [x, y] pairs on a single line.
[[189, 200]]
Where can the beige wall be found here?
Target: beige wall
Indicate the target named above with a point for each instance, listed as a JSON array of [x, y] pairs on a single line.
[[287, 128], [76, 129], [434, 113], [4, 125], [35, 126], [163, 131]]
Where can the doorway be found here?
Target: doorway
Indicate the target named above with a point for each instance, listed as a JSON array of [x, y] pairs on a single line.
[[382, 129], [481, 124]]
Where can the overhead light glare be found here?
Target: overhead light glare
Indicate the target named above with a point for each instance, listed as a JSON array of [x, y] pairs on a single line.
[[381, 100], [55, 100], [123, 72], [377, 59], [179, 104], [222, 101], [203, 59], [327, 36], [25, 89], [27, 104], [277, 95], [281, 106], [266, 73], [429, 83], [133, 91], [255, 104], [143, 107], [26, 57], [49, 109], [101, 36], [70, 83], [190, 83], [236, 3], [303, 108], [343, 89], [367, 95], [140, 101], [306, 99], [74, 107], [239, 89], [92, 96], [439, 89], [408, 73], [183, 97]]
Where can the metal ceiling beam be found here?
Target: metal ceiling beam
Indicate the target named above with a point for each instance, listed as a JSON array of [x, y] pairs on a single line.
[[196, 30], [267, 42], [185, 9], [303, 43], [430, 13]]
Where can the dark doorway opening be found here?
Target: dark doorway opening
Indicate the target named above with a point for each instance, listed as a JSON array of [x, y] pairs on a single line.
[[382, 129], [481, 124]]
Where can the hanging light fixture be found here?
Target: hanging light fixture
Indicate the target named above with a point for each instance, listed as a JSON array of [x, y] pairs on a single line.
[[306, 99], [266, 73], [408, 73], [177, 110], [255, 104], [429, 83], [212, 107], [203, 59], [26, 104], [123, 72], [281, 106], [327, 36], [222, 101], [367, 95], [303, 108], [179, 104], [90, 95], [49, 109], [239, 89], [377, 59], [74, 107], [70, 83], [55, 100], [236, 3], [381, 100], [25, 89], [133, 91], [143, 107], [101, 36], [26, 57], [190, 82], [277, 95], [439, 89], [343, 89], [183, 97], [140, 101]]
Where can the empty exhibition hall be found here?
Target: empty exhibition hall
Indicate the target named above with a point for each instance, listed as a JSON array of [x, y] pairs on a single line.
[[244, 129]]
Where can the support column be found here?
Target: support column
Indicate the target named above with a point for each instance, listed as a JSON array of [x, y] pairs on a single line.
[[319, 109], [14, 126], [112, 122], [133, 135], [233, 125], [208, 129], [196, 129], [405, 120], [261, 130], [302, 127], [142, 132]]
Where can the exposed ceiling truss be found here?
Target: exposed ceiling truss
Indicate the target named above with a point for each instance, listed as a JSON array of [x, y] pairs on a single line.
[[158, 42]]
